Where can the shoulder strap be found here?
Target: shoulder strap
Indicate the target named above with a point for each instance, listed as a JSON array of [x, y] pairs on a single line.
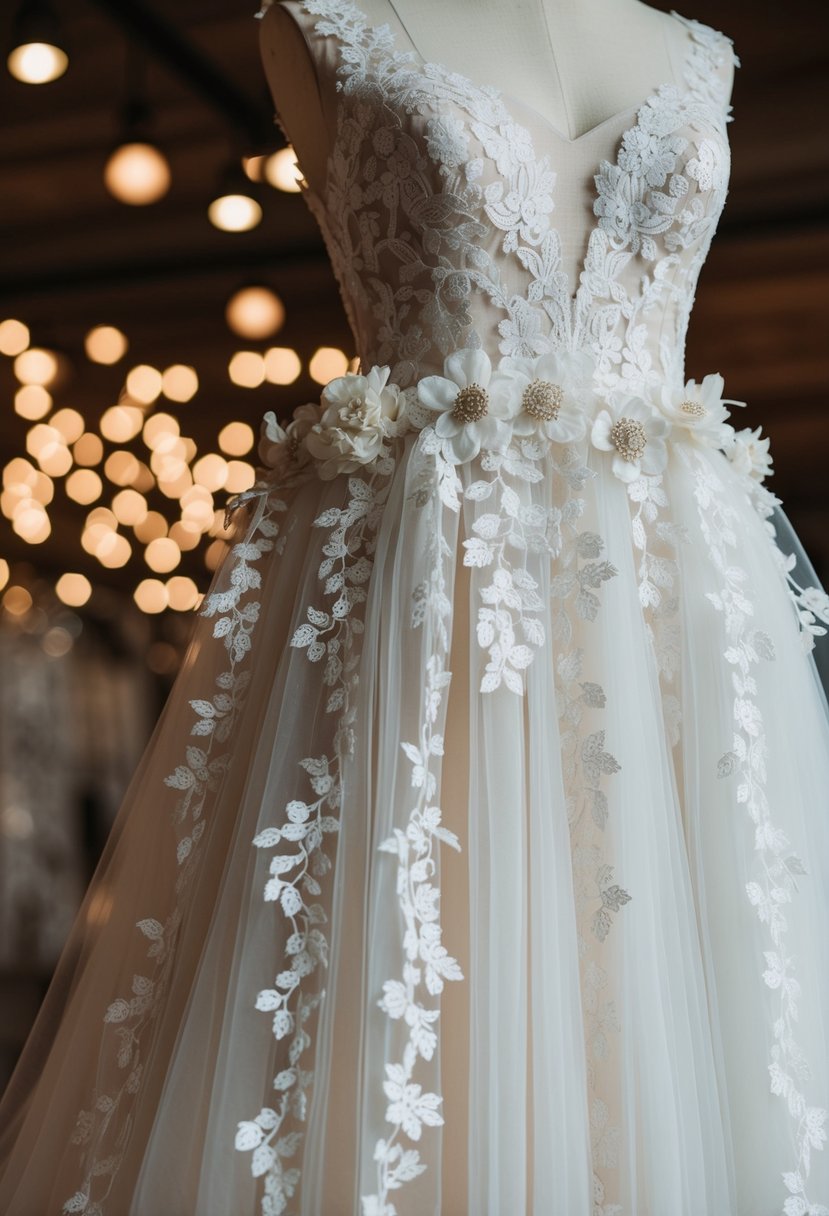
[[710, 64]]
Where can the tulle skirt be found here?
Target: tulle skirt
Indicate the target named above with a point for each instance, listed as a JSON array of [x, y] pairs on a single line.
[[478, 864]]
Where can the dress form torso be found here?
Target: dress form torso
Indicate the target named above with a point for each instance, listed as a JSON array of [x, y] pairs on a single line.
[[576, 63]]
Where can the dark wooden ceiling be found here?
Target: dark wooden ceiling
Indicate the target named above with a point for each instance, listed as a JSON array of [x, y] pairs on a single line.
[[73, 257]]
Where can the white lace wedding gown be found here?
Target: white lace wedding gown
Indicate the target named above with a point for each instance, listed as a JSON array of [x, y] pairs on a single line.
[[479, 863]]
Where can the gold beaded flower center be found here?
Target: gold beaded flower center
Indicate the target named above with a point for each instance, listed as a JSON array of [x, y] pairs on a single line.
[[629, 438], [693, 409], [542, 400], [471, 404]]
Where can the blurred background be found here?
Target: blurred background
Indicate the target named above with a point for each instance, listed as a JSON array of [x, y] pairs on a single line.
[[163, 285]]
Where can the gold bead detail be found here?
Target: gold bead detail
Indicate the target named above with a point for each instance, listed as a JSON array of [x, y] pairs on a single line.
[[542, 400], [693, 409], [629, 438], [471, 404]]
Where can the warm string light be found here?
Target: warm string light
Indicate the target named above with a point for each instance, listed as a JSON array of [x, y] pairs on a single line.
[[60, 446]]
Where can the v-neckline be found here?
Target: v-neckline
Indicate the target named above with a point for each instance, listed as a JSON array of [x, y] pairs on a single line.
[[508, 99], [372, 35]]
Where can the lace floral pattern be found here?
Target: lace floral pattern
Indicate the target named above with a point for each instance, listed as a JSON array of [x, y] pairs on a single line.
[[102, 1130], [300, 862], [411, 999], [476, 170], [776, 866]]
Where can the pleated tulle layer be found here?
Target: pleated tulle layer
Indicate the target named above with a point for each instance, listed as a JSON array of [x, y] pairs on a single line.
[[558, 947]]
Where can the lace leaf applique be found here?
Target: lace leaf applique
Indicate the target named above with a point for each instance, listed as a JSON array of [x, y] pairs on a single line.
[[102, 1130], [300, 863]]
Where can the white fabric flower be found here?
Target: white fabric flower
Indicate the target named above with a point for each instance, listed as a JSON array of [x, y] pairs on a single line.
[[699, 411], [552, 394], [749, 454], [280, 448], [468, 416], [359, 417], [635, 433]]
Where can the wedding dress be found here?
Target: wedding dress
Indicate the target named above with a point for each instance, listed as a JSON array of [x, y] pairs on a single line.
[[479, 862]]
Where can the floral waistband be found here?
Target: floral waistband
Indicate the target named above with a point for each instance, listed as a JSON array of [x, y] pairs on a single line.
[[477, 407]]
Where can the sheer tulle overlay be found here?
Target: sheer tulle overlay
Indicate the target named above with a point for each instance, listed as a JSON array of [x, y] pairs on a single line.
[[479, 862]]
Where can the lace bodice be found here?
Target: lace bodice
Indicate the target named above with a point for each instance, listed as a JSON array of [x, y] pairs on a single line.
[[456, 216]]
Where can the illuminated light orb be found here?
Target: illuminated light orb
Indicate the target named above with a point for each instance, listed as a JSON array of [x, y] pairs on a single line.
[[55, 459], [255, 312], [214, 554], [4, 572], [120, 423], [137, 174], [252, 167], [210, 471], [88, 450], [14, 337], [175, 487], [282, 365], [19, 472], [247, 369], [326, 363], [162, 555], [129, 507], [35, 366], [69, 423], [114, 551], [240, 476], [151, 527], [102, 515], [144, 383], [234, 213], [84, 486], [122, 468], [142, 479], [32, 401], [151, 595], [282, 171], [186, 535], [73, 589], [39, 436], [179, 382], [182, 593], [37, 62], [17, 601], [12, 499], [158, 428], [236, 439], [105, 344], [31, 523], [43, 489]]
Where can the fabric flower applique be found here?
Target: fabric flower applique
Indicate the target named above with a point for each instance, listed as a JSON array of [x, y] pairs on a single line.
[[469, 415], [360, 415], [699, 411], [551, 393], [635, 433], [281, 448], [749, 454]]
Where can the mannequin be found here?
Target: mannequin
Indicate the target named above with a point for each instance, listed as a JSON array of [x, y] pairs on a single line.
[[578, 64]]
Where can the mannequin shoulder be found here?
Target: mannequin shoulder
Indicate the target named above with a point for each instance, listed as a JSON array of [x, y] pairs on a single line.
[[280, 32]]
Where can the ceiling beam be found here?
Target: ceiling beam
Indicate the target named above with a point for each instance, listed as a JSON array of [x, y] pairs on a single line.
[[167, 43]]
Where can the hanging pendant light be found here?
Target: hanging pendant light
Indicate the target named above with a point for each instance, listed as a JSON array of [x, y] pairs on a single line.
[[137, 171], [234, 207], [38, 52]]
